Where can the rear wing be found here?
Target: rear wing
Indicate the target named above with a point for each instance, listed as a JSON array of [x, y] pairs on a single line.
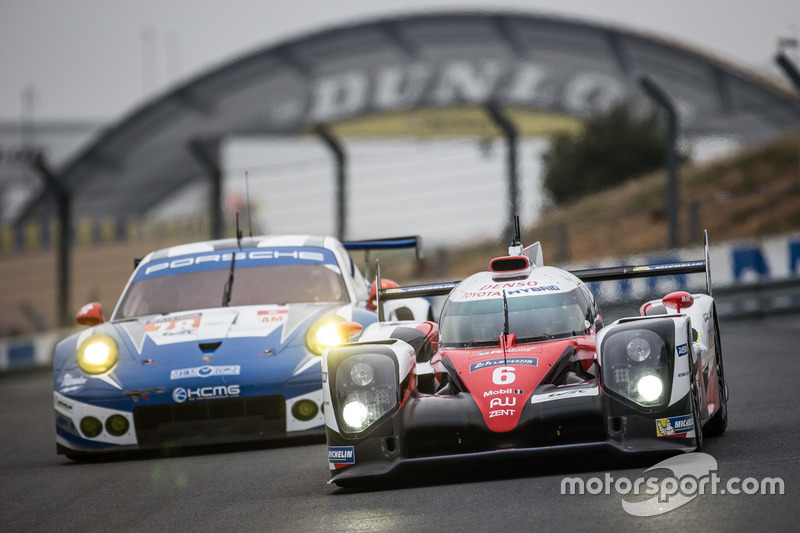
[[586, 275], [648, 271], [391, 243]]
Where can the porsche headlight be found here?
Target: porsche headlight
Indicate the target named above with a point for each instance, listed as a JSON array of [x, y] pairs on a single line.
[[98, 354], [324, 333], [364, 390]]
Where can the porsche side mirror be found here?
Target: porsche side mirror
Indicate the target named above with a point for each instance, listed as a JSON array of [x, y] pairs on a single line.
[[90, 314], [372, 301]]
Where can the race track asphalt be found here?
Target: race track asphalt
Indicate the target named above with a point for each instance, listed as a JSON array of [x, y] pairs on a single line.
[[284, 488]]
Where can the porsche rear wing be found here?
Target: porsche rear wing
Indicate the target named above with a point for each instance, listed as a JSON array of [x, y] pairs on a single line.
[[391, 243], [586, 275]]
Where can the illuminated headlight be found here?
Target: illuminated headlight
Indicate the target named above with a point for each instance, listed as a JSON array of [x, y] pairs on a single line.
[[638, 349], [365, 388], [354, 414], [636, 363], [98, 354], [649, 388], [324, 333]]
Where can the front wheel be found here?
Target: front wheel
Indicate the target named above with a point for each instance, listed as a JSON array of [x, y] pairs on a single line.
[[719, 422], [698, 429]]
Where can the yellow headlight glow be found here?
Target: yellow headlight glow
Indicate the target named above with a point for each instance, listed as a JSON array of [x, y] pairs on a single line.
[[98, 354], [324, 333]]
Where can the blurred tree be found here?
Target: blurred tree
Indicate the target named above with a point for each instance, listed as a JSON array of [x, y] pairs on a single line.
[[614, 146]]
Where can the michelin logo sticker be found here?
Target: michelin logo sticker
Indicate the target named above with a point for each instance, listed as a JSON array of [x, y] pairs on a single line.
[[341, 455], [676, 426]]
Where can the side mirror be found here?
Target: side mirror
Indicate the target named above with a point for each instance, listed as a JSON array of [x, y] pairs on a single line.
[[372, 302], [678, 300], [90, 314]]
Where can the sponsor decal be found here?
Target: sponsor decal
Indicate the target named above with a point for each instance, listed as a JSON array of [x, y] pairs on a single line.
[[181, 394], [213, 261], [526, 290], [71, 381], [513, 292], [273, 316], [676, 426], [501, 412], [508, 361], [204, 372], [508, 401], [509, 285], [324, 377], [174, 325], [510, 350], [668, 266], [64, 405], [568, 393], [487, 394], [341, 455], [683, 349]]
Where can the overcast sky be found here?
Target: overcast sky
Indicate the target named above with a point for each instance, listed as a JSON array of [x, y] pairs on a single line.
[[98, 59]]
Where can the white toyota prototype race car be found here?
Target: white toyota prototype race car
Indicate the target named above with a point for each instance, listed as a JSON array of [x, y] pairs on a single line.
[[520, 366], [213, 342]]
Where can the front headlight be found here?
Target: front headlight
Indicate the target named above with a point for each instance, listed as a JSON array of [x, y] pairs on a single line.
[[638, 349], [324, 333], [636, 363], [354, 414], [98, 354], [648, 389], [364, 389]]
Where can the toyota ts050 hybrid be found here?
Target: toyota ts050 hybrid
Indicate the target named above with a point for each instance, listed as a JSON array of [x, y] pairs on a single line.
[[213, 342], [520, 365]]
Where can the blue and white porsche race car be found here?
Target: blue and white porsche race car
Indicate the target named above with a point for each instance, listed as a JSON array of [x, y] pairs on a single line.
[[213, 342]]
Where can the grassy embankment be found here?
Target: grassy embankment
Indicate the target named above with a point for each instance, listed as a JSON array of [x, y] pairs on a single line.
[[755, 193]]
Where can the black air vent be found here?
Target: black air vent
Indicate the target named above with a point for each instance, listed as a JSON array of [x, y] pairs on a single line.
[[209, 347]]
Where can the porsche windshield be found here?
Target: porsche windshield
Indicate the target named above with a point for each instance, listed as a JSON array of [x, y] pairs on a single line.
[[530, 318], [198, 282]]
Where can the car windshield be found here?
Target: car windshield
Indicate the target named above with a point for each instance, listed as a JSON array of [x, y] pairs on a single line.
[[252, 285], [530, 318]]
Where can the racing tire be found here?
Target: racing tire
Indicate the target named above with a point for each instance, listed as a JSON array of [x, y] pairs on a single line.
[[719, 422], [698, 429]]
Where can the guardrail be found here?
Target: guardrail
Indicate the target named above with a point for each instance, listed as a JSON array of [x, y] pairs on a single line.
[[751, 281]]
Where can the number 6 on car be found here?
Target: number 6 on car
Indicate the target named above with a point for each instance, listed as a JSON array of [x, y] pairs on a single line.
[[519, 365]]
